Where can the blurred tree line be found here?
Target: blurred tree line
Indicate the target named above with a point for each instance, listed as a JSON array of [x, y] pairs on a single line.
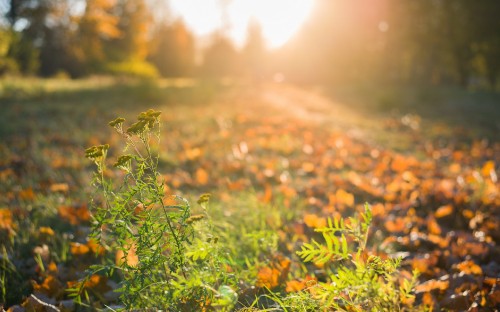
[[424, 41], [82, 37], [47, 37], [344, 42]]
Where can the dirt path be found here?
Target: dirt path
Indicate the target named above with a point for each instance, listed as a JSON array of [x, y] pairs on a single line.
[[292, 102]]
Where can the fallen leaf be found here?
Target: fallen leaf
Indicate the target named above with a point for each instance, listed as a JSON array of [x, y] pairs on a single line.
[[268, 277], [443, 211], [313, 221], [395, 226], [295, 285], [131, 259], [78, 249], [46, 231], [469, 267], [6, 222], [308, 167], [27, 194], [50, 286], [488, 169], [433, 226], [201, 176], [59, 187], [432, 285], [75, 215]]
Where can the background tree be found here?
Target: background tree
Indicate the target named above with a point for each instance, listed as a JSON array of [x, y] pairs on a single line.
[[17, 54], [48, 29], [254, 52], [7, 63], [487, 44], [220, 59], [173, 51], [134, 21], [96, 27]]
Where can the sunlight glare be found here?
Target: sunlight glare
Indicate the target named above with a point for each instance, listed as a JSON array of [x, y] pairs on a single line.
[[279, 19]]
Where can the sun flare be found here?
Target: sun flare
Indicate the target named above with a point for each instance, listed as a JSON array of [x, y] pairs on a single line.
[[279, 19]]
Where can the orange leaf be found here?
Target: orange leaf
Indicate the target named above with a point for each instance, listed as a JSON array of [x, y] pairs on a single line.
[[51, 286], [193, 153], [308, 167], [399, 164], [6, 219], [455, 168], [438, 240], [78, 249], [431, 285], [313, 221], [294, 286], [428, 300], [488, 168], [74, 215], [275, 274], [433, 226], [469, 214], [444, 211], [201, 176], [59, 187], [298, 285], [268, 194], [95, 247], [27, 194], [46, 231], [344, 197], [268, 277], [378, 210], [495, 297], [131, 259], [98, 282], [421, 265], [469, 267], [52, 267], [396, 225]]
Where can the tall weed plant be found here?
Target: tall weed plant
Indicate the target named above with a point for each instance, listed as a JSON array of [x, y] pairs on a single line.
[[150, 231], [357, 280]]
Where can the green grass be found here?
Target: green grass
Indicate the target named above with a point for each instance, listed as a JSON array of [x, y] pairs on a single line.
[[45, 126], [84, 104], [442, 112]]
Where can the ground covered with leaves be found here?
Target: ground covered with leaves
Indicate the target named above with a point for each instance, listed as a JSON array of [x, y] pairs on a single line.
[[278, 165]]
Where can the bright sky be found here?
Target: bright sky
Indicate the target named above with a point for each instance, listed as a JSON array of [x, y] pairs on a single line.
[[279, 19]]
